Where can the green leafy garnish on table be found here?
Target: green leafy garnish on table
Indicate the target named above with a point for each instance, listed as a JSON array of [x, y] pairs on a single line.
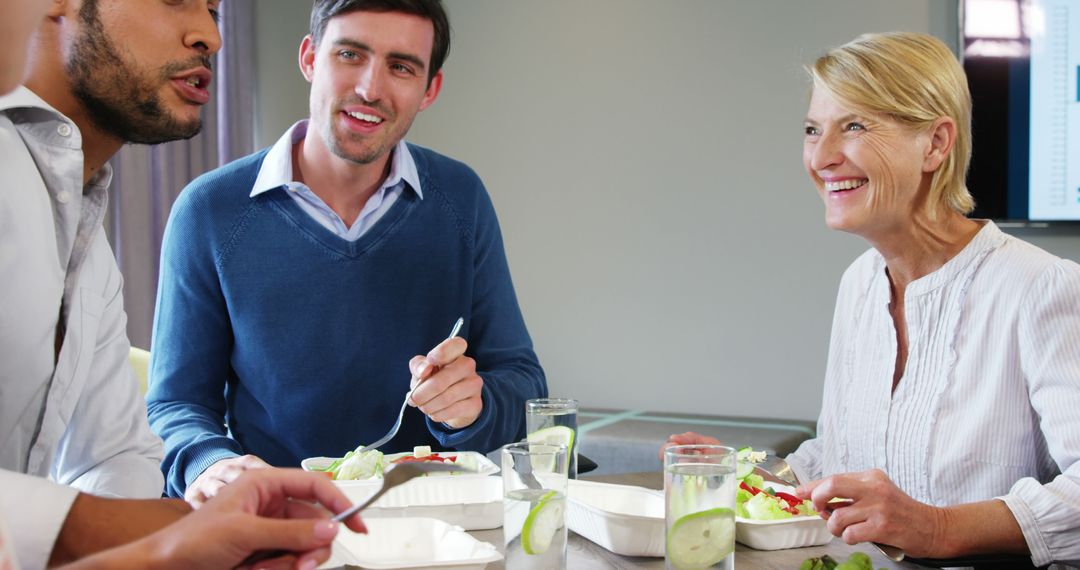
[[857, 561]]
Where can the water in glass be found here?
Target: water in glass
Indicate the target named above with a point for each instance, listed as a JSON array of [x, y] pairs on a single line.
[[543, 414], [528, 516], [699, 494]]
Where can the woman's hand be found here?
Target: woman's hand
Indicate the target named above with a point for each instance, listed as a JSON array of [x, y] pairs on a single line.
[[688, 438], [869, 507]]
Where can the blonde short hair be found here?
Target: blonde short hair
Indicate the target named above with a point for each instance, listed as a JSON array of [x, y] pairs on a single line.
[[915, 79]]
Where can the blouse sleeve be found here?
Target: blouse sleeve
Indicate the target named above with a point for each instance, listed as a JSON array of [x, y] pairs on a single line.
[[1049, 333]]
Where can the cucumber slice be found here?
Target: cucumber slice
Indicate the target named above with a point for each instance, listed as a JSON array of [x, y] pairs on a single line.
[[743, 453], [701, 539], [545, 518]]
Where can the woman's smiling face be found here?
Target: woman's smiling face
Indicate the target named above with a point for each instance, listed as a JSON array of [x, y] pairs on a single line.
[[868, 169]]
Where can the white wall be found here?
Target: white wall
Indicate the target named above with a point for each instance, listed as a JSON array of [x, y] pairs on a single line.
[[644, 156]]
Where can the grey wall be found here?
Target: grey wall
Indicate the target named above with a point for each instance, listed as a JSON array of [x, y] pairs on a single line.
[[668, 250]]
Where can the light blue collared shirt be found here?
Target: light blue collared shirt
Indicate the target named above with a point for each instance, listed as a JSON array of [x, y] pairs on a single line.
[[277, 172]]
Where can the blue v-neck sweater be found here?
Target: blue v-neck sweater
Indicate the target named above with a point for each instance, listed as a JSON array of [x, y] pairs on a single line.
[[274, 337]]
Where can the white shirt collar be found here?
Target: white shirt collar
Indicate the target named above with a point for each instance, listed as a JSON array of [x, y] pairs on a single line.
[[277, 168], [23, 97]]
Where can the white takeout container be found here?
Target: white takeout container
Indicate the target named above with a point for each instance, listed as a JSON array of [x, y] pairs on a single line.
[[411, 543], [487, 466], [624, 519], [795, 532], [472, 501]]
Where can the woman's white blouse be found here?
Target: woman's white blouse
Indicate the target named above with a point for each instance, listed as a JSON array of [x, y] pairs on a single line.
[[989, 403]]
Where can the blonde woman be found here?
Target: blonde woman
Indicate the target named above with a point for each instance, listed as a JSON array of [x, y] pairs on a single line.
[[950, 415]]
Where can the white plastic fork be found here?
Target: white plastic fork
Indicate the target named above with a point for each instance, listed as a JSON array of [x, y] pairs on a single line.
[[397, 425]]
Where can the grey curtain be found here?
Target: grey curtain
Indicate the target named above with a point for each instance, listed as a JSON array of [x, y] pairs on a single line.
[[147, 179]]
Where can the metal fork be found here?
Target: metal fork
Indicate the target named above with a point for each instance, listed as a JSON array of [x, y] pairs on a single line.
[[397, 425]]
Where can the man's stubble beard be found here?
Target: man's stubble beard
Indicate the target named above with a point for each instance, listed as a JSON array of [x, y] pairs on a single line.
[[118, 100], [333, 143]]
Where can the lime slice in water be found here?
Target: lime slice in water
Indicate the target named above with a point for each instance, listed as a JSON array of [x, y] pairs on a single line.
[[554, 435], [540, 526], [742, 469], [702, 539]]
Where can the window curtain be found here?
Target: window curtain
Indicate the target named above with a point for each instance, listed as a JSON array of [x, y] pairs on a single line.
[[147, 179]]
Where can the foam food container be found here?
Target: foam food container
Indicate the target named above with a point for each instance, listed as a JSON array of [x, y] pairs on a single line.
[[624, 519], [487, 466], [472, 501], [411, 543], [795, 532]]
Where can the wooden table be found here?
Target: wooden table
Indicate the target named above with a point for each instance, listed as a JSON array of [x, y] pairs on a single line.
[[583, 554]]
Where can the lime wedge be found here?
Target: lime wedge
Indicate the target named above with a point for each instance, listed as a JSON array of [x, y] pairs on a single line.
[[701, 539], [555, 435], [543, 521], [742, 469]]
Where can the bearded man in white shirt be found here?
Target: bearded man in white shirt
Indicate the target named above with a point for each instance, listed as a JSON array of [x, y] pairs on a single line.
[[103, 73]]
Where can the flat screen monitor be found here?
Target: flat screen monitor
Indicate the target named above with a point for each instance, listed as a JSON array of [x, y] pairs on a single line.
[[1022, 59]]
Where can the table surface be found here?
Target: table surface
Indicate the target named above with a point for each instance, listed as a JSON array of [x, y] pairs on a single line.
[[583, 554]]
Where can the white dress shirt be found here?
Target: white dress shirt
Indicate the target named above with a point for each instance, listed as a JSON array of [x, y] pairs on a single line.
[[277, 172], [7, 550], [989, 402], [75, 417]]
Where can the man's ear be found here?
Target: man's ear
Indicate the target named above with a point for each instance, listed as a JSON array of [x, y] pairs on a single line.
[[58, 8], [307, 58], [942, 140], [434, 86]]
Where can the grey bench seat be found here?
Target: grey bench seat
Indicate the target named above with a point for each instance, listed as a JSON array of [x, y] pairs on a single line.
[[628, 441]]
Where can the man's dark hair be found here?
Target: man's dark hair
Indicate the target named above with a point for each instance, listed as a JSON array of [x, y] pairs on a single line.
[[323, 10]]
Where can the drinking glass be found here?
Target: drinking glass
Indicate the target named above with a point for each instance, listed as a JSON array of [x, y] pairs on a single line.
[[699, 507], [534, 505], [554, 421]]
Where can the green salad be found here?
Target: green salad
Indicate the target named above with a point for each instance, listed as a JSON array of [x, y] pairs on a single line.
[[360, 465], [757, 501]]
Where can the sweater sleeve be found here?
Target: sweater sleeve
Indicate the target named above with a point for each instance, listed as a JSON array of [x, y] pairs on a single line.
[[500, 344], [1049, 329], [192, 343]]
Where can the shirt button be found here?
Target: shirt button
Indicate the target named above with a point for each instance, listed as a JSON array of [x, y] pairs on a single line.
[[64, 130], [63, 197]]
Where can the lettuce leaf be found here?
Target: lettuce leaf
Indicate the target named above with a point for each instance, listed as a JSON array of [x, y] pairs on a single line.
[[366, 465]]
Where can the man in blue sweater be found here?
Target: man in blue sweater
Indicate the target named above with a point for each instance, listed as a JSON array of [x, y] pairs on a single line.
[[297, 283]]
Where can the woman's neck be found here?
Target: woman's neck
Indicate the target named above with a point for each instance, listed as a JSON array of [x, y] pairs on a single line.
[[925, 246]]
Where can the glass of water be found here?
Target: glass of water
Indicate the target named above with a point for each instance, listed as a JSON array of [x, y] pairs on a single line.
[[534, 505], [554, 421], [699, 507]]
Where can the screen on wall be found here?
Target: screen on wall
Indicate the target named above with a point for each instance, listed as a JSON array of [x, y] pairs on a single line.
[[1022, 58]]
